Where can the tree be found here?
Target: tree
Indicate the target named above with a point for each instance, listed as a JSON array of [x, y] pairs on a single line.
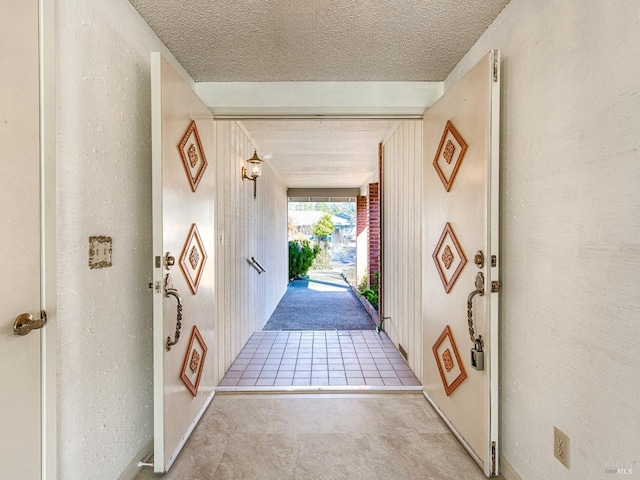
[[323, 227]]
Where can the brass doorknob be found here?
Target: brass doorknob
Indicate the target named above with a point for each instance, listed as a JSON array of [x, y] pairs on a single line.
[[25, 323]]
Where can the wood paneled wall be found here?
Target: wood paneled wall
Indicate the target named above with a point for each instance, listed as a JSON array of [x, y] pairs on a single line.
[[402, 258], [245, 228]]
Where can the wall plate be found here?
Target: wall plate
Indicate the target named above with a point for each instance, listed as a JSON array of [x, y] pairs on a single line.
[[561, 446], [100, 251]]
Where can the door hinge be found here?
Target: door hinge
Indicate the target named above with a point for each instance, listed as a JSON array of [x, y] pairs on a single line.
[[495, 66], [495, 286]]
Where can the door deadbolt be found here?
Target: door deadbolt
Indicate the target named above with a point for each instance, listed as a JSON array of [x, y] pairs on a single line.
[[169, 261], [478, 259]]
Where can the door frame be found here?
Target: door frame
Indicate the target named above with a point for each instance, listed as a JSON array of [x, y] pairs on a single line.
[[48, 284]]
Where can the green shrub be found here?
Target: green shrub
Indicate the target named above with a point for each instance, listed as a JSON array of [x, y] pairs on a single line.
[[372, 296], [370, 290], [301, 256]]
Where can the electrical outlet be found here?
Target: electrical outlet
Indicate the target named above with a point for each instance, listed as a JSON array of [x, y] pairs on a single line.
[[561, 447]]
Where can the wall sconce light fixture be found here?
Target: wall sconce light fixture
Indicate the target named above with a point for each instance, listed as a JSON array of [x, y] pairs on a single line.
[[256, 170]]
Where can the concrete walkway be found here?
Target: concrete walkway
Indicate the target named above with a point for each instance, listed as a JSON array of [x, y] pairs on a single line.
[[323, 302]]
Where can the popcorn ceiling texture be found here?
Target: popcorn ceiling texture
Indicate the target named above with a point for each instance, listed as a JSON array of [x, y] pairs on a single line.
[[320, 40]]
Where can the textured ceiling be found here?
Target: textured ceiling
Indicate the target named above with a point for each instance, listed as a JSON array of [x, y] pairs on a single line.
[[319, 40]]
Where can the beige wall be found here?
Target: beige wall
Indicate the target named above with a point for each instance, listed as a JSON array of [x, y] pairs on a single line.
[[105, 368], [105, 386], [402, 283], [570, 232]]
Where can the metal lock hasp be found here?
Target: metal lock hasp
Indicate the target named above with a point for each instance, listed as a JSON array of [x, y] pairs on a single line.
[[477, 357]]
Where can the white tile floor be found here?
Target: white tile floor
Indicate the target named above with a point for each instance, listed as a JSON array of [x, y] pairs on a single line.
[[319, 358]]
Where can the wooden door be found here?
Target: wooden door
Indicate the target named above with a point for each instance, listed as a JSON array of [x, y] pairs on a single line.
[[461, 134], [183, 273], [20, 257]]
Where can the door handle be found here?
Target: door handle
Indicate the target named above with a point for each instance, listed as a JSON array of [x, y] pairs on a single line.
[[174, 293], [25, 323], [477, 353]]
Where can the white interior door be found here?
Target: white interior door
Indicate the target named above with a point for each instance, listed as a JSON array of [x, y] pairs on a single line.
[[20, 257], [460, 219], [183, 246]]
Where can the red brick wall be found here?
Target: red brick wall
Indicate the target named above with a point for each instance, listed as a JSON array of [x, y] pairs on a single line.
[[374, 229]]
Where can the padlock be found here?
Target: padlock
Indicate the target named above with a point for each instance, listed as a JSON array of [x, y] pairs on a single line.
[[477, 358]]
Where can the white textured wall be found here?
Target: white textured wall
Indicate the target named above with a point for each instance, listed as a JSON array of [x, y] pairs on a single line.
[[402, 288], [104, 188], [570, 235], [246, 227]]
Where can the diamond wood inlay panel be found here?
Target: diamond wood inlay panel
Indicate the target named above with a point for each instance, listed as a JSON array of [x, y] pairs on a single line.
[[194, 361], [449, 150], [450, 366], [447, 361], [193, 157], [447, 257], [449, 155], [193, 259], [449, 264]]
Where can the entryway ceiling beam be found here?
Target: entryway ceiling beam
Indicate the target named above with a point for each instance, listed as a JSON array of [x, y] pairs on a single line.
[[241, 100], [322, 194]]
